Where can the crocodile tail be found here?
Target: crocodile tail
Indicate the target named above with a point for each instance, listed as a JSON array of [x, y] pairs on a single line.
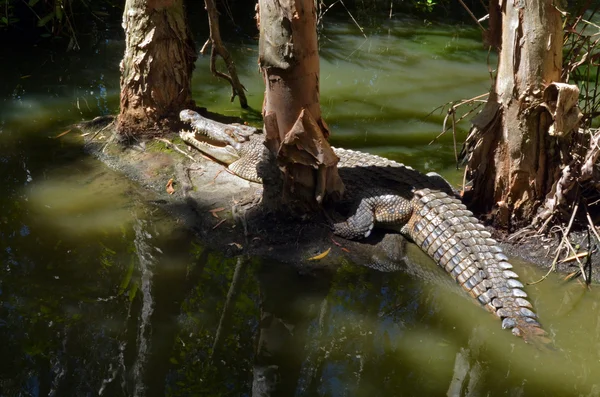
[[444, 229]]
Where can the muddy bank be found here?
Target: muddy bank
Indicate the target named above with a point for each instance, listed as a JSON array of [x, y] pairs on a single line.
[[226, 213]]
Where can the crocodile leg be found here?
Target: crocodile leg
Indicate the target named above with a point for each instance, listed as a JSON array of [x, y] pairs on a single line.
[[443, 228], [383, 209], [359, 225]]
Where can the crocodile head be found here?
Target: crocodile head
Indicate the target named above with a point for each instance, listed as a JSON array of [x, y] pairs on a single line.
[[222, 144], [240, 147]]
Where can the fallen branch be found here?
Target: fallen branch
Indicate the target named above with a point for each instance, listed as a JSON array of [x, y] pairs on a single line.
[[218, 48], [171, 145]]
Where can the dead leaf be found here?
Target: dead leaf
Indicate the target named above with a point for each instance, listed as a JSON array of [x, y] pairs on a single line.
[[237, 245], [571, 276], [214, 212], [320, 256], [62, 133], [345, 249], [170, 188], [335, 242]]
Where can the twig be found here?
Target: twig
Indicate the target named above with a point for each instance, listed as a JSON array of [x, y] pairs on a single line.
[[472, 15], [322, 13], [454, 137], [570, 247], [356, 23], [204, 47], [102, 129], [558, 250], [237, 87], [589, 219], [218, 224], [575, 256], [174, 147], [452, 110]]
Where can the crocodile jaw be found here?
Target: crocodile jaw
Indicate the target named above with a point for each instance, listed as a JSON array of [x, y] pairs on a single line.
[[224, 154], [199, 126]]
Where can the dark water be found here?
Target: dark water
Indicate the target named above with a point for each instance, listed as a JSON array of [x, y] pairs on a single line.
[[103, 294]]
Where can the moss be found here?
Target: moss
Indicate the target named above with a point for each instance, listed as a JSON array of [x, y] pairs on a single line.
[[155, 146]]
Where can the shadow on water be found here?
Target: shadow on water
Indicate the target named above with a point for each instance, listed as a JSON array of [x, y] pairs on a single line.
[[101, 293]]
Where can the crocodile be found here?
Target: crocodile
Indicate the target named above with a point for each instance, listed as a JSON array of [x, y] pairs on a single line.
[[384, 193]]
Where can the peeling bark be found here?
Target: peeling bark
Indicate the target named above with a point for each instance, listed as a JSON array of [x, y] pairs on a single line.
[[156, 69], [296, 133], [515, 158]]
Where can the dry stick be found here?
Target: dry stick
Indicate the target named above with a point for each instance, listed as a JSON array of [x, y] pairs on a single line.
[[463, 102], [574, 257], [454, 137], [589, 218], [545, 224], [102, 129], [322, 13], [553, 267], [204, 47], [218, 48], [356, 23], [570, 247], [471, 14], [444, 130], [174, 147]]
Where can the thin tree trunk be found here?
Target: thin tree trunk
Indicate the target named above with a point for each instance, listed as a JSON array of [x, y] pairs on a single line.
[[296, 133], [516, 151], [156, 69], [218, 48]]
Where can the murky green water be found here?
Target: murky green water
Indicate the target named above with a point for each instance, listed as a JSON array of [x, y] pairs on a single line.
[[103, 294]]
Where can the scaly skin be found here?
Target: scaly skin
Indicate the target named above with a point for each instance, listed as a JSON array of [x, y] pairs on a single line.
[[388, 194]]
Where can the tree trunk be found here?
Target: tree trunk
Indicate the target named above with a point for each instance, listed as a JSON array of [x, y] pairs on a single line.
[[156, 70], [296, 133], [519, 141]]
